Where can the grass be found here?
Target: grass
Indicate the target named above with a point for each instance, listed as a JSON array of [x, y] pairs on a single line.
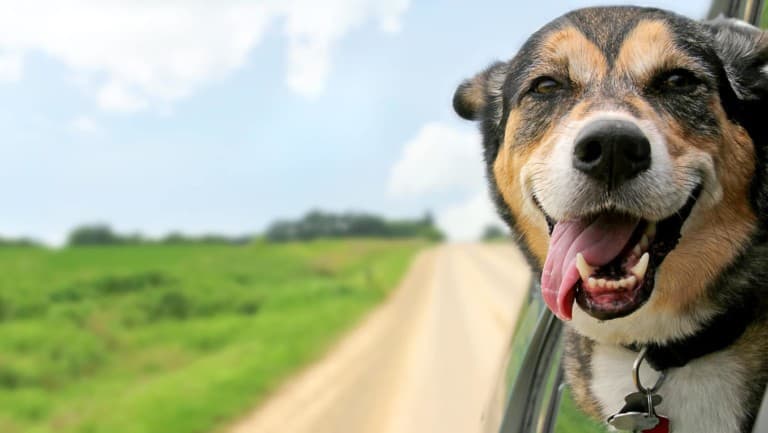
[[181, 339], [571, 419], [764, 18]]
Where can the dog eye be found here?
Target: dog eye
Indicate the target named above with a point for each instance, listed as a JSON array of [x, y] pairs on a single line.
[[678, 80], [545, 86]]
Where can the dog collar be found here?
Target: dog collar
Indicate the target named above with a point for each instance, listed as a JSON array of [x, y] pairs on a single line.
[[717, 334]]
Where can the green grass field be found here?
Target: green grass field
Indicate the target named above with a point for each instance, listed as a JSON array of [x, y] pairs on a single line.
[[160, 339]]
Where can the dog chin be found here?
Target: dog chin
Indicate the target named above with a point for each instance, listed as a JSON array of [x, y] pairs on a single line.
[[647, 324]]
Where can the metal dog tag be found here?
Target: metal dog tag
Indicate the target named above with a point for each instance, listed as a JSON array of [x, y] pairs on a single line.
[[639, 401], [637, 414], [633, 421]]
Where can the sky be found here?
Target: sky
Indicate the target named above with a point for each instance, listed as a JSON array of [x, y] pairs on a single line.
[[198, 116]]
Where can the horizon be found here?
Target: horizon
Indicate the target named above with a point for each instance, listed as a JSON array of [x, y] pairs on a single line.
[[140, 237]]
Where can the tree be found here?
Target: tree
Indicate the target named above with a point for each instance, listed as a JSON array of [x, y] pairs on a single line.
[[93, 234], [492, 232]]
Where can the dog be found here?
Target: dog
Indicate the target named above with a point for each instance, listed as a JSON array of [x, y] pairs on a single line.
[[626, 149]]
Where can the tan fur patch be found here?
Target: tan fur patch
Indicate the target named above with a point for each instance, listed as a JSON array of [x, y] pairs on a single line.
[[648, 48], [716, 235], [576, 366], [584, 62], [753, 356], [572, 52], [506, 169], [474, 94]]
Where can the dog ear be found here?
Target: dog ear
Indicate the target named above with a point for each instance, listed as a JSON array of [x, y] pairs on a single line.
[[476, 96], [743, 50]]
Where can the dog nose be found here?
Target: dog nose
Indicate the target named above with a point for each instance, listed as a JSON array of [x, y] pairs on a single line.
[[612, 151]]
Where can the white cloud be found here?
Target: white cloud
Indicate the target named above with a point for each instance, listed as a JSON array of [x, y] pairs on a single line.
[[11, 66], [141, 54], [115, 97], [466, 220], [440, 159], [85, 124], [313, 27]]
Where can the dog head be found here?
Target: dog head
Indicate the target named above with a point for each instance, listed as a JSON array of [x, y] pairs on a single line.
[[620, 148]]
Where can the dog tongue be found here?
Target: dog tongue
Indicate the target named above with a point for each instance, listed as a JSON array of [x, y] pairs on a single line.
[[599, 240]]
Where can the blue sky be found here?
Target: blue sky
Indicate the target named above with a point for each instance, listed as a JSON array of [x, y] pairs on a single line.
[[203, 116]]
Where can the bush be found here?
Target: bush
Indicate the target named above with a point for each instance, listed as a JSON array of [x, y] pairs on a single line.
[[169, 305], [132, 283], [494, 233], [317, 224], [94, 234], [102, 234]]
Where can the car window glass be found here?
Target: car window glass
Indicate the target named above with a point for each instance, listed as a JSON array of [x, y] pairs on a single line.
[[551, 395], [524, 329]]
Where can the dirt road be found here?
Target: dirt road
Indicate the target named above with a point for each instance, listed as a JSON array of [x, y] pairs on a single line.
[[426, 361]]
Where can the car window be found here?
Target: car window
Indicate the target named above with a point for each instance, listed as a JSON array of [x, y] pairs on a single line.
[[524, 330], [553, 388], [553, 409], [528, 377]]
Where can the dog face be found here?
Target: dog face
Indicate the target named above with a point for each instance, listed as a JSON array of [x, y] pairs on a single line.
[[618, 149]]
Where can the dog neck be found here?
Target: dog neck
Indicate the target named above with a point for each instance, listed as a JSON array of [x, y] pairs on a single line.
[[719, 332]]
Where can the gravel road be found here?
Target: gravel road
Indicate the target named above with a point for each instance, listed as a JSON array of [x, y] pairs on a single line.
[[427, 360]]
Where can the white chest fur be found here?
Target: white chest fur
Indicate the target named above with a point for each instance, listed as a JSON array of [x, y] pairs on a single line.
[[704, 396]]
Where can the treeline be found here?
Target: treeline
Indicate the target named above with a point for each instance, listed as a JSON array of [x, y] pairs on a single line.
[[18, 242], [318, 224], [313, 225], [102, 234]]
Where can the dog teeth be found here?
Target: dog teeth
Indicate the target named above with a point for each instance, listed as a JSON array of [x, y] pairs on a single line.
[[637, 251], [644, 243], [585, 270], [641, 267], [624, 283], [650, 230], [628, 283], [636, 273]]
